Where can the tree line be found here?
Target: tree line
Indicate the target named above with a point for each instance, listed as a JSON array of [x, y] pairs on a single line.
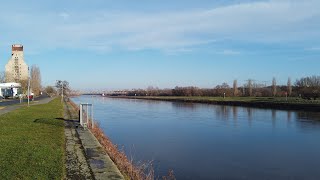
[[306, 87], [60, 88]]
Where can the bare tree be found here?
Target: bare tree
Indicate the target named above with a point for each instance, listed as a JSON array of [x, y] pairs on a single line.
[[50, 91], [63, 86], [235, 88], [309, 87], [152, 91], [35, 81], [274, 87], [311, 81], [289, 87], [2, 77], [8, 77], [250, 86], [24, 86]]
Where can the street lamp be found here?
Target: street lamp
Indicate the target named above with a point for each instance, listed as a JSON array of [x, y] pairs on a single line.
[[28, 87], [62, 92]]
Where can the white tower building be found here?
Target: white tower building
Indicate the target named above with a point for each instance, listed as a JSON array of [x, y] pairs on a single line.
[[16, 68]]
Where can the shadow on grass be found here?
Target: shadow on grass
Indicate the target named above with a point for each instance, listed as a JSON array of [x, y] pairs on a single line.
[[67, 120], [54, 122]]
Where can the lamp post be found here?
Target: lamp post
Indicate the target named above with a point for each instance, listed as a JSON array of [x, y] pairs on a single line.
[[28, 87], [62, 92]]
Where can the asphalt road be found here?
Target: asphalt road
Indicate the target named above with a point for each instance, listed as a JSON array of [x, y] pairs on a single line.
[[8, 102], [10, 105]]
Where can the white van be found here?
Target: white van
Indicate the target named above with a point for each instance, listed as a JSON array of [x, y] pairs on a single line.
[[10, 89]]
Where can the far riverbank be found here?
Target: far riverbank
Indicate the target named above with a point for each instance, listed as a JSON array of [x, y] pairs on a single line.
[[292, 103]]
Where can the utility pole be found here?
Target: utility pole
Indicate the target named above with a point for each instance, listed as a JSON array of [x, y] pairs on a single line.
[[28, 87], [62, 92]]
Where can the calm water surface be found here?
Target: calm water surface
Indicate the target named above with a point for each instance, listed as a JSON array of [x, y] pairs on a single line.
[[200, 141]]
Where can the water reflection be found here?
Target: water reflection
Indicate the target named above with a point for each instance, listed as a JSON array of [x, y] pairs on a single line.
[[249, 116], [235, 115], [289, 114], [145, 101], [222, 112], [274, 117], [235, 112], [303, 115], [184, 106]]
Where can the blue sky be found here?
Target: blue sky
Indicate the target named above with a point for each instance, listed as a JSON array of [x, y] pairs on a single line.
[[135, 44]]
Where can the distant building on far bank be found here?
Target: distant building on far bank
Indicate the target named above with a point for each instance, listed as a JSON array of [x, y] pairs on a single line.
[[16, 69]]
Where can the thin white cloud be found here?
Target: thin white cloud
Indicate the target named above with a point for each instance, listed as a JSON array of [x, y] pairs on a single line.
[[229, 52], [313, 49], [270, 21], [64, 15]]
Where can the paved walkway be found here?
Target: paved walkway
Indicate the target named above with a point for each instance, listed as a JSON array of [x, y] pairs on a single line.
[[7, 109], [76, 162], [101, 164]]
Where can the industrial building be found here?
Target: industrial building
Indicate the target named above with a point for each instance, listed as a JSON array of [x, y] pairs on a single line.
[[16, 69]]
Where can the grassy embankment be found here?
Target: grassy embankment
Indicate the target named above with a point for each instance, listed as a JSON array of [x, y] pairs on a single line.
[[260, 102], [32, 142]]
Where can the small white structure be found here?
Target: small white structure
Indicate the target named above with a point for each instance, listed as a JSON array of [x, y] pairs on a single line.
[[86, 115], [10, 89]]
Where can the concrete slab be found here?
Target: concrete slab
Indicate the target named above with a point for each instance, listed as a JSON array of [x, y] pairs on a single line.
[[101, 164], [77, 166]]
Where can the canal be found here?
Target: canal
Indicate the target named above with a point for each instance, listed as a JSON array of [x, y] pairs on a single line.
[[201, 141]]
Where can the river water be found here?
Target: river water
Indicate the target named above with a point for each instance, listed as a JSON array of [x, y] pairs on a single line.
[[201, 141]]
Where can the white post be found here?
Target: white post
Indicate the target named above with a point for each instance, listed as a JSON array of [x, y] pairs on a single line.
[[87, 114], [62, 92], [92, 115], [81, 123]]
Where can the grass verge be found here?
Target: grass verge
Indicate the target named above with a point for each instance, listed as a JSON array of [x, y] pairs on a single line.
[[32, 142]]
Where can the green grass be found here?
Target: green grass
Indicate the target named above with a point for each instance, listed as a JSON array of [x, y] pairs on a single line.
[[32, 142]]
